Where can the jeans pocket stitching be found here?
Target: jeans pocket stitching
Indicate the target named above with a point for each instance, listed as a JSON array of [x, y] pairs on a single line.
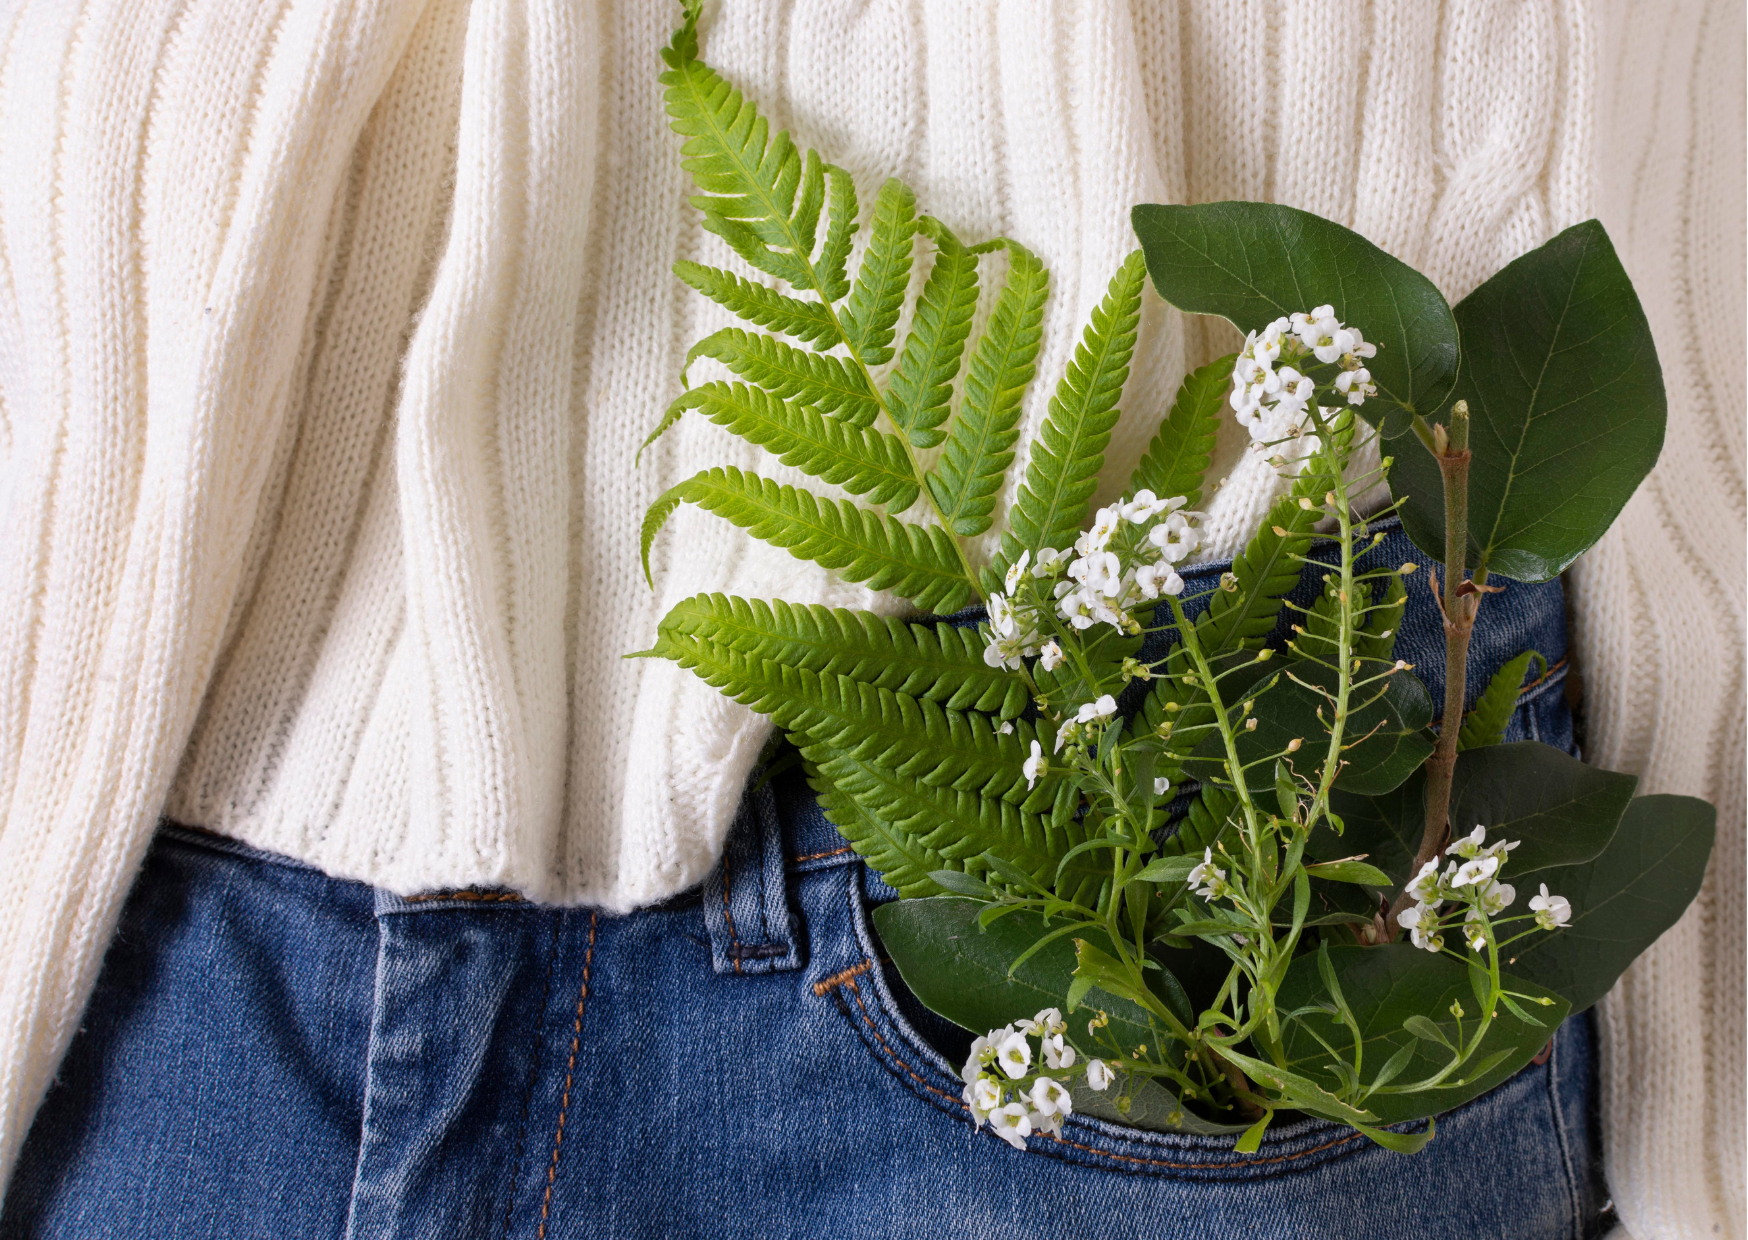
[[569, 1075]]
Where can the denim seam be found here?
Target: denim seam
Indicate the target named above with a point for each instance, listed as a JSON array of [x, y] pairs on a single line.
[[533, 1073], [734, 951], [569, 1073], [1553, 1083]]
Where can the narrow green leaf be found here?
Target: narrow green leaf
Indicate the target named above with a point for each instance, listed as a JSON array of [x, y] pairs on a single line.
[[1069, 450], [961, 884], [940, 662], [921, 386], [1486, 722], [1168, 869], [965, 479], [1400, 1142], [870, 315], [862, 461], [808, 321], [828, 384], [840, 235], [1251, 1141], [1178, 457], [917, 562], [1349, 872]]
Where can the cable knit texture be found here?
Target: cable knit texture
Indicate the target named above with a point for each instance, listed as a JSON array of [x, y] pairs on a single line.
[[329, 329]]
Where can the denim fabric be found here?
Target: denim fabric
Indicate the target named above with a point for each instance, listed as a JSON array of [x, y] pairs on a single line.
[[271, 1052]]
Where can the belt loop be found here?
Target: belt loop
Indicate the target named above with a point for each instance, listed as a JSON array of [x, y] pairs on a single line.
[[746, 898]]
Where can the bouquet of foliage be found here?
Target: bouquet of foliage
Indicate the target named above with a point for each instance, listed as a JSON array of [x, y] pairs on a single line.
[[1196, 890]]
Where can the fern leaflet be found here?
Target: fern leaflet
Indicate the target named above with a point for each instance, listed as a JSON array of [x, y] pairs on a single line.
[[981, 448], [1486, 722], [829, 384], [871, 314], [1180, 452], [921, 386], [807, 321]]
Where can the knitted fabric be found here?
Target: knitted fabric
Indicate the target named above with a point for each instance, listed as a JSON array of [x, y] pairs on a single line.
[[329, 331]]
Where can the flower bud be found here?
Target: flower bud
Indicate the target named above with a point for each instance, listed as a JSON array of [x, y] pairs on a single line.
[[1293, 745], [1408, 568]]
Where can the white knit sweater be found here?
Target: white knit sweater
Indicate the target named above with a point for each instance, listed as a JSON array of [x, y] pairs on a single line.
[[329, 328]]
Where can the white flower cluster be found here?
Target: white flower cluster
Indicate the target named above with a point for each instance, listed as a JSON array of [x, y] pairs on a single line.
[[1004, 1091], [1471, 880], [1271, 395], [1109, 571]]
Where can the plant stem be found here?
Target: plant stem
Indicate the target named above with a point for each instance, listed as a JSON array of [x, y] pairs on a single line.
[[1451, 450]]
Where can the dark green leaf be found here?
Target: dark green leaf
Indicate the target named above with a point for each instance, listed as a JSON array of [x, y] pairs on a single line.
[[1566, 410], [1349, 872], [1564, 811], [1385, 987], [1254, 262], [1621, 901]]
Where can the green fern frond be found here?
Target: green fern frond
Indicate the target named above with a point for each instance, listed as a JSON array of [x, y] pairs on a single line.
[[871, 314], [899, 857], [862, 461], [760, 193], [1070, 447], [942, 664], [917, 562], [829, 384], [1486, 722], [840, 234], [1178, 457], [807, 321], [921, 386], [968, 474]]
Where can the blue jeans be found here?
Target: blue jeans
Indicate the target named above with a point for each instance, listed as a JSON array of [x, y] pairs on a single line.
[[272, 1052]]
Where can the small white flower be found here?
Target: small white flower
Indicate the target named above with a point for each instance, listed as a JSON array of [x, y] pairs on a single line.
[[1046, 1022], [1050, 562], [1156, 579], [1057, 1053], [1076, 607], [1161, 785], [1017, 572], [1098, 1075], [1551, 911], [1424, 886], [1050, 1098], [1104, 524], [1098, 572], [1104, 708], [1036, 765], [1477, 871], [1013, 1054], [1050, 657], [1469, 845], [1012, 1124], [1207, 879], [1472, 931], [1495, 897], [1006, 728], [1356, 385], [1422, 926], [982, 1052], [1001, 616], [1070, 730], [1175, 537], [982, 1096]]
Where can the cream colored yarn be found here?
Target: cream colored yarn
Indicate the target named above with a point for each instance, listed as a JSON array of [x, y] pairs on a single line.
[[328, 332]]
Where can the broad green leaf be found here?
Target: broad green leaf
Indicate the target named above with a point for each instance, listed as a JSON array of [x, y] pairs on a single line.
[[960, 972], [1254, 262], [1486, 721], [1566, 410], [1622, 900], [809, 321], [921, 386], [1386, 986], [940, 662], [872, 311], [971, 468], [1069, 450], [828, 384], [1563, 810], [861, 460], [918, 562], [1169, 869], [1180, 452]]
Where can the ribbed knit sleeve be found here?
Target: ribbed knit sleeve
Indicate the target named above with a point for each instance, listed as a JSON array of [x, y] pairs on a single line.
[[167, 177]]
